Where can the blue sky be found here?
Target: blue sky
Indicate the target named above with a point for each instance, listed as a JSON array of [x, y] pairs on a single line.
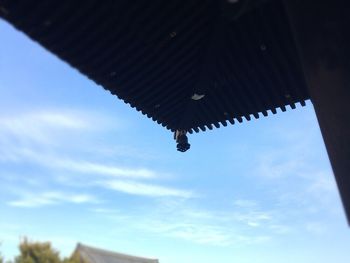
[[77, 164]]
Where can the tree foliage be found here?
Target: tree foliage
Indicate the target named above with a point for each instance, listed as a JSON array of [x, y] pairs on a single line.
[[37, 252], [72, 259], [2, 260]]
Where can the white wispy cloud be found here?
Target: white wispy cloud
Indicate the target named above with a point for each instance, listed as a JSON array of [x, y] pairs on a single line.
[[30, 139], [280, 229], [252, 239], [316, 228], [253, 218], [51, 198], [245, 203], [297, 173], [101, 210], [272, 166], [36, 146], [145, 189], [180, 219], [36, 137], [78, 166], [39, 126], [194, 232], [322, 183], [43, 120], [97, 168], [185, 227], [212, 233]]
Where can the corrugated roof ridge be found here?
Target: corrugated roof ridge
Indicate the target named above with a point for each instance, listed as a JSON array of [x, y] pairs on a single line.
[[113, 253]]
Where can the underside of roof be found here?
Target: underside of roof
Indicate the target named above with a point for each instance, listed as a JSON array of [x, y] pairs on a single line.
[[189, 65]]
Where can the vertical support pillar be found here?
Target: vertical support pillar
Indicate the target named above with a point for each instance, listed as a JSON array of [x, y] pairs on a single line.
[[322, 33]]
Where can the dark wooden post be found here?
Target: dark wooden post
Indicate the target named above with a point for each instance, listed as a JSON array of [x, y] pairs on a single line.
[[322, 34]]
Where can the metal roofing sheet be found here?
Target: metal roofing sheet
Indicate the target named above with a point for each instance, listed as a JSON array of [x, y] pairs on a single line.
[[96, 255]]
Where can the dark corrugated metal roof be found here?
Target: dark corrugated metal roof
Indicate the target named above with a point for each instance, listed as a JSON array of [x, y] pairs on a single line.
[[156, 54]]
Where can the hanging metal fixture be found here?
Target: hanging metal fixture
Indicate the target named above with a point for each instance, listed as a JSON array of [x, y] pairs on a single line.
[[182, 141]]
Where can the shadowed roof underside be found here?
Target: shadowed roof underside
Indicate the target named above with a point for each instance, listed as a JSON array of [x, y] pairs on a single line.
[[161, 57]]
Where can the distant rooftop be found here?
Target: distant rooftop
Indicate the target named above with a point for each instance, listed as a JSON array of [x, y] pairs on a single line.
[[96, 255]]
